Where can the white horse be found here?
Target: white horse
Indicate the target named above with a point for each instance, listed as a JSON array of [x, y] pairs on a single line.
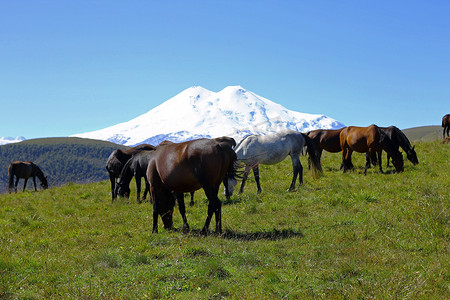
[[271, 149]]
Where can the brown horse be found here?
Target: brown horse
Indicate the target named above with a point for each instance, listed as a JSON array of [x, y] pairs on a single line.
[[116, 161], [326, 139], [25, 170], [186, 167], [446, 125], [368, 140]]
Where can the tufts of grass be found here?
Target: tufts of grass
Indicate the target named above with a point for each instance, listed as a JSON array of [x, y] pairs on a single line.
[[338, 236]]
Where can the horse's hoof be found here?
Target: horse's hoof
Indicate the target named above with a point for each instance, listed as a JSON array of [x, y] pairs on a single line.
[[291, 189], [191, 203], [259, 192]]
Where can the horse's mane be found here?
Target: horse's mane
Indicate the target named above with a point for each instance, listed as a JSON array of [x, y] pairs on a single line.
[[402, 139]]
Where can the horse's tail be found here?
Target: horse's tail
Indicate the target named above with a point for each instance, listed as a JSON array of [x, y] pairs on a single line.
[[233, 171], [11, 178], [316, 167]]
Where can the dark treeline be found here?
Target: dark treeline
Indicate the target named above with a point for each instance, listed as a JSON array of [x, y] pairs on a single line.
[[62, 160]]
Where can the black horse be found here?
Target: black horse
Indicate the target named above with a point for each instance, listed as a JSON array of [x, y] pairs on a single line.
[[25, 170], [446, 125], [135, 167], [398, 139], [117, 160]]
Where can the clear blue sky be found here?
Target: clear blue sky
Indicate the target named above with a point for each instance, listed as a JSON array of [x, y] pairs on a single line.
[[69, 67]]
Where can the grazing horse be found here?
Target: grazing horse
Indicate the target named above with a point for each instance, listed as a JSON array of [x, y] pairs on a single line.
[[186, 167], [25, 170], [271, 149], [136, 166], [446, 125], [117, 159], [325, 139], [223, 139], [368, 140], [399, 139]]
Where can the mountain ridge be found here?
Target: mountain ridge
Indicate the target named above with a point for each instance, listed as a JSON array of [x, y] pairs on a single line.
[[197, 112]]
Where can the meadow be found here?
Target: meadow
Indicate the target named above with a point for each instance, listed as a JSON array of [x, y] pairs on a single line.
[[342, 236]]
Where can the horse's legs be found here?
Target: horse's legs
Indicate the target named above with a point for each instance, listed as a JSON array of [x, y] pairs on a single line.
[[155, 211], [182, 208], [15, 185], [379, 161], [138, 188], [147, 189], [192, 198], [214, 206], [347, 158], [368, 161], [112, 179], [297, 169], [25, 184], [387, 158], [34, 181], [244, 178], [256, 174]]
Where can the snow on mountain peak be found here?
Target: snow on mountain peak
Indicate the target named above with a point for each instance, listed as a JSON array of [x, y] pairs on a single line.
[[10, 140], [197, 112]]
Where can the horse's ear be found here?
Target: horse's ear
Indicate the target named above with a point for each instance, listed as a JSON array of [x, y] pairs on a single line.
[[414, 147]]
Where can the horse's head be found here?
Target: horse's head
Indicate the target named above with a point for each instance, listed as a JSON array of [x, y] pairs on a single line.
[[44, 183], [232, 182], [412, 156], [122, 189], [397, 161]]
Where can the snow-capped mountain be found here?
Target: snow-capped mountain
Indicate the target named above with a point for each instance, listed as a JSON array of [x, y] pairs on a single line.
[[9, 140], [197, 112]]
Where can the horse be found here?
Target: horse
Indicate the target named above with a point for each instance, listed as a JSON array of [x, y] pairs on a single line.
[[224, 139], [368, 140], [271, 149], [325, 139], [135, 167], [117, 159], [25, 170], [399, 139], [186, 167], [446, 125]]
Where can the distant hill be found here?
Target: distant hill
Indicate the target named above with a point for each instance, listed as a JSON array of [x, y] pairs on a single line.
[[424, 133], [63, 160]]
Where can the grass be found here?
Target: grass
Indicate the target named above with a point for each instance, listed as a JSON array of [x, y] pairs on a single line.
[[340, 236]]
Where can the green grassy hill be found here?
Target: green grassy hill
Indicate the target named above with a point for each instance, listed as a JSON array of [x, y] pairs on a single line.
[[62, 160], [342, 236], [424, 133]]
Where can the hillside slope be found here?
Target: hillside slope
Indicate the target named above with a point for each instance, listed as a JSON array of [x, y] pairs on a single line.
[[63, 160], [424, 133]]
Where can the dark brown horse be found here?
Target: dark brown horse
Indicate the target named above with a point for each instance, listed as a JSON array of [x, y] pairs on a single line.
[[117, 159], [186, 167], [368, 140], [325, 139], [399, 139], [222, 139], [25, 170], [446, 125]]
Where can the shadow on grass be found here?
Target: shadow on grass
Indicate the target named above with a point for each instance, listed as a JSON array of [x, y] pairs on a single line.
[[249, 236]]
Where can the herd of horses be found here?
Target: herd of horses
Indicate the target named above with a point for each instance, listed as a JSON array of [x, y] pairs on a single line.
[[172, 169]]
